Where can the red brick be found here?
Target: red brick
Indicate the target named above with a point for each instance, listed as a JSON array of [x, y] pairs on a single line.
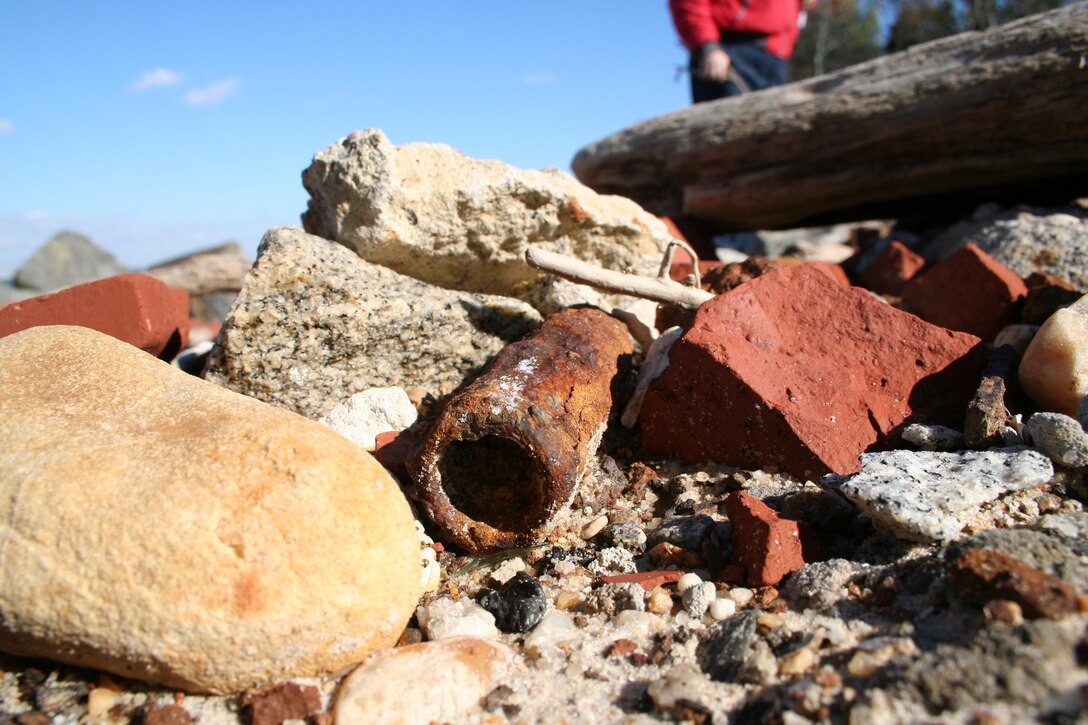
[[793, 371], [648, 579], [968, 291], [765, 545], [135, 308], [891, 271], [392, 448]]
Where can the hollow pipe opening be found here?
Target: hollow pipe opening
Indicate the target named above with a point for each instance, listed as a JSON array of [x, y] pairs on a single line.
[[495, 481]]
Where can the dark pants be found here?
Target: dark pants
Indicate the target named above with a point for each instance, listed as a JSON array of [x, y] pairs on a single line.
[[756, 67]]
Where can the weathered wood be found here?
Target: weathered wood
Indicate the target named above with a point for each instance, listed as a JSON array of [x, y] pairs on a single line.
[[997, 110]]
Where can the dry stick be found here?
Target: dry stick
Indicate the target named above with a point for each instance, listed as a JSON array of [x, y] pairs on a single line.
[[656, 289]]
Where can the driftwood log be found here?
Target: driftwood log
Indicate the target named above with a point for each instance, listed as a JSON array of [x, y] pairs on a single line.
[[970, 116]]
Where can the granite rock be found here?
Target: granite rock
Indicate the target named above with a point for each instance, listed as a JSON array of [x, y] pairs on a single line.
[[761, 378], [924, 496], [430, 212], [314, 324], [1026, 240], [1060, 437], [281, 550], [1054, 368], [68, 258]]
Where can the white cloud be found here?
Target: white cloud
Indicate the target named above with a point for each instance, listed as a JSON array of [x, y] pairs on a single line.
[[6, 126], [158, 78], [215, 93], [539, 79]]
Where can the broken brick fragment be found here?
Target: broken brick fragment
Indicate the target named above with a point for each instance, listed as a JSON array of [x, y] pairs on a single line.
[[392, 449], [891, 271], [134, 308], [985, 575], [968, 291], [648, 580], [766, 545], [793, 371]]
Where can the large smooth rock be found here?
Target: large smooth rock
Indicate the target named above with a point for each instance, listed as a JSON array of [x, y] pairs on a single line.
[[315, 324], [795, 371], [162, 528], [429, 211], [1054, 368], [68, 258]]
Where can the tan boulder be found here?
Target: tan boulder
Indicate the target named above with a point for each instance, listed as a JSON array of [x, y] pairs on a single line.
[[1054, 369], [162, 528]]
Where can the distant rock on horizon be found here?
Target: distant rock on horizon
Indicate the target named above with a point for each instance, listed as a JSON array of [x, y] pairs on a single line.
[[68, 258]]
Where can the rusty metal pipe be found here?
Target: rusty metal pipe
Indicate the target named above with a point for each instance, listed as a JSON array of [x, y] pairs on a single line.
[[506, 454]]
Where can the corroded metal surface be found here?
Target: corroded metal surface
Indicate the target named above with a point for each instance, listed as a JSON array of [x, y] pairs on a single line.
[[506, 454]]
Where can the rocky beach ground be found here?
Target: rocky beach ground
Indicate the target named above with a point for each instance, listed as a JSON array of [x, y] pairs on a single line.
[[849, 570]]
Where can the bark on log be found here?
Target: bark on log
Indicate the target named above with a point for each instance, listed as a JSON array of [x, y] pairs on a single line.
[[992, 112]]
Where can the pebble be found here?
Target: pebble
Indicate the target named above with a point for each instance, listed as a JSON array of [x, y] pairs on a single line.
[[629, 535], [659, 601], [741, 595], [518, 605], [594, 527], [507, 570], [722, 608], [697, 599], [608, 599], [924, 496], [613, 560], [444, 618], [1017, 336], [687, 581], [428, 682], [555, 628], [873, 654], [1060, 437], [430, 573], [683, 683], [933, 437]]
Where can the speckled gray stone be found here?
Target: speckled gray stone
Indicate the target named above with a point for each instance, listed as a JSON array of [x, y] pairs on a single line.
[[933, 437], [822, 584], [1025, 240], [315, 324], [1060, 437], [925, 496]]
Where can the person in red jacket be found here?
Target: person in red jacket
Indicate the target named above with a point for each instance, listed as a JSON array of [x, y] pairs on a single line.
[[737, 45]]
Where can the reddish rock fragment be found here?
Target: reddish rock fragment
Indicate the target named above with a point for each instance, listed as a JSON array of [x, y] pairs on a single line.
[[891, 271], [392, 449], [134, 308], [273, 704], [793, 371], [162, 715], [622, 648], [649, 580], [765, 544], [1047, 294], [985, 575], [694, 232], [968, 291]]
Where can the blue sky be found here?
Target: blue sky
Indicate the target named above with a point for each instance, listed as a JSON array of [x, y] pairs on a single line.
[[158, 128]]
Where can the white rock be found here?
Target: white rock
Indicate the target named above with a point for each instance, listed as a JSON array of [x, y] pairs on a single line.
[[505, 572], [423, 683], [687, 581], [684, 682], [554, 629], [722, 608], [924, 496], [933, 437], [444, 618], [364, 415], [429, 211], [741, 595]]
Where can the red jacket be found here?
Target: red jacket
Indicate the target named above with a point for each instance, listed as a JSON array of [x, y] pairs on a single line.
[[701, 21]]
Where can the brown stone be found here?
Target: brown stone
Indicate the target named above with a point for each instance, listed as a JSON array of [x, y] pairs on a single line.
[[891, 271], [162, 715], [985, 575], [765, 544], [135, 308], [272, 704], [1046, 295], [968, 291], [988, 413], [793, 371]]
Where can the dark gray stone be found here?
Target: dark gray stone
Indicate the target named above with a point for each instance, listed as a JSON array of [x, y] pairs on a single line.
[[67, 259], [724, 654]]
